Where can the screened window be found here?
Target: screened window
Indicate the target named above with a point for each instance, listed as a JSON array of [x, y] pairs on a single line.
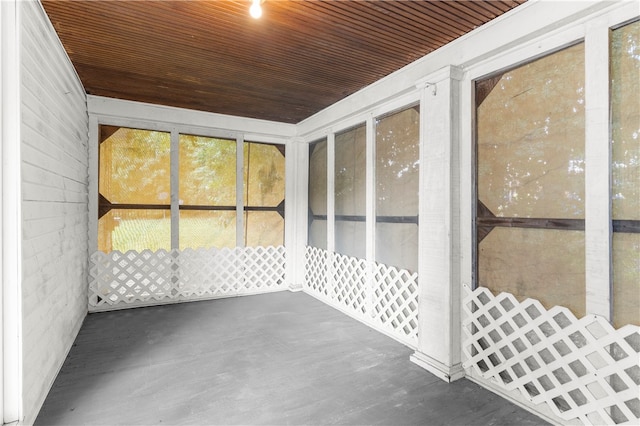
[[318, 194], [350, 192], [135, 192], [207, 192], [530, 181], [625, 152], [264, 187], [397, 171]]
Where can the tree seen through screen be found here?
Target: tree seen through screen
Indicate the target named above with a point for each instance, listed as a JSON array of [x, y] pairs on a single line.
[[135, 191]]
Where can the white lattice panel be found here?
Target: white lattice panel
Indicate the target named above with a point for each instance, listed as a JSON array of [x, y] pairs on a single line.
[[349, 283], [395, 300], [123, 278], [263, 268], [582, 369], [384, 297], [316, 263], [137, 279], [207, 272]]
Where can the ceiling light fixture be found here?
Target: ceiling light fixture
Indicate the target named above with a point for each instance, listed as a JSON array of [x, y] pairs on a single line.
[[255, 10]]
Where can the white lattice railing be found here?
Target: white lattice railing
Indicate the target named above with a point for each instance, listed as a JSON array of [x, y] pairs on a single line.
[[384, 297], [583, 369], [147, 278]]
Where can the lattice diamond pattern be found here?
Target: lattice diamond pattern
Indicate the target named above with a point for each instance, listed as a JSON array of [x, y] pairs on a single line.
[[207, 272], [263, 267], [147, 277], [316, 261], [130, 277], [350, 278], [384, 297], [395, 299], [583, 369]]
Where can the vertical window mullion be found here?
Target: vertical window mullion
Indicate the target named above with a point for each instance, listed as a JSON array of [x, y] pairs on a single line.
[[370, 221], [597, 171], [175, 185], [239, 191], [370, 191], [331, 220]]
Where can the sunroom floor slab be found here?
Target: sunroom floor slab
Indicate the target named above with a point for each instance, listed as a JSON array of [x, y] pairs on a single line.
[[272, 359]]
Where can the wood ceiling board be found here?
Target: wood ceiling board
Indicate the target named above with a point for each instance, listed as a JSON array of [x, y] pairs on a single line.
[[299, 58]]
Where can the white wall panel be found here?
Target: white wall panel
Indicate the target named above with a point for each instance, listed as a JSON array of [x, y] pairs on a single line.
[[54, 167]]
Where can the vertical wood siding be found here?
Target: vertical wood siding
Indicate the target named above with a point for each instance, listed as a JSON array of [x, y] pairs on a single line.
[[54, 147]]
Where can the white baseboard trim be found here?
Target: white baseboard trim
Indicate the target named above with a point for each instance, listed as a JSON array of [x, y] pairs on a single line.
[[445, 372]]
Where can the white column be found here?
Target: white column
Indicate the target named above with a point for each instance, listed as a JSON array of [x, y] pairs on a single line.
[[439, 278], [11, 202], [94, 166], [597, 173], [370, 211], [331, 208], [296, 206]]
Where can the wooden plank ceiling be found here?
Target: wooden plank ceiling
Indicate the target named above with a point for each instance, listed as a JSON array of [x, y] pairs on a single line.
[[299, 58]]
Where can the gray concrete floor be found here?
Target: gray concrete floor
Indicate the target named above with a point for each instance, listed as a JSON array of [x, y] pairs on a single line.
[[274, 359]]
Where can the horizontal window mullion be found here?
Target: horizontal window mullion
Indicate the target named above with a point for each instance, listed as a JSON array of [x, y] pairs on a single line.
[[530, 222], [378, 219], [106, 208], [211, 208], [138, 206], [629, 226], [229, 208]]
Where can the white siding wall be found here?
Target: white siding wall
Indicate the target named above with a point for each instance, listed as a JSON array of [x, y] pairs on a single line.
[[54, 149]]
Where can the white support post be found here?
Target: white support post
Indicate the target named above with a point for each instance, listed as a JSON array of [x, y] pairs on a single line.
[[439, 300], [2, 100], [94, 166], [597, 173], [370, 221], [296, 205], [11, 214], [331, 209]]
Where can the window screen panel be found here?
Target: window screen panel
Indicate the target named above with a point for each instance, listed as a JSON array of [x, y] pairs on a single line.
[[397, 183], [317, 234], [134, 166], [264, 228], [207, 171], [530, 180], [207, 229], [350, 192], [134, 189], [139, 229], [264, 192], [544, 264], [350, 238], [397, 245], [625, 153], [264, 174]]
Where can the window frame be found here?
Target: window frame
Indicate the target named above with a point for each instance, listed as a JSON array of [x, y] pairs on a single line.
[[598, 221], [366, 118], [97, 119]]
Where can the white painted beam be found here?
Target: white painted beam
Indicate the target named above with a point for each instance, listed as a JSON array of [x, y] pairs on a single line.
[[109, 109]]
